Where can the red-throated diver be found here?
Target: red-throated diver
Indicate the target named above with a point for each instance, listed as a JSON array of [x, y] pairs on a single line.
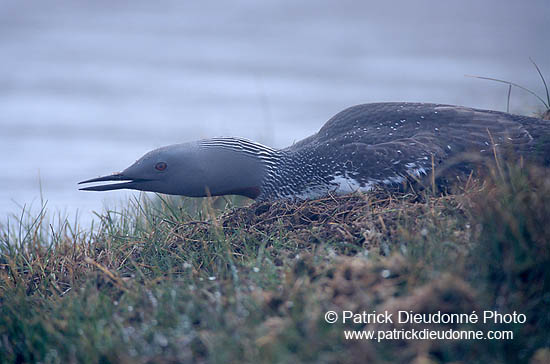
[[361, 147]]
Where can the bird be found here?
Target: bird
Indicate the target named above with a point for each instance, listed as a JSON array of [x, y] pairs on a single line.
[[360, 148]]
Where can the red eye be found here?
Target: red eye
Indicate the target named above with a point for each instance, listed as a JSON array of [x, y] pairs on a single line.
[[160, 166]]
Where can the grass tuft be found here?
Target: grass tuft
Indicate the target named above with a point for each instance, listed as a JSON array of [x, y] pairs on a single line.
[[184, 280]]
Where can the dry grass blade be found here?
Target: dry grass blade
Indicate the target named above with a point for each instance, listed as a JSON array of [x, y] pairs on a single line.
[[543, 81], [512, 84], [508, 98], [495, 154], [119, 283]]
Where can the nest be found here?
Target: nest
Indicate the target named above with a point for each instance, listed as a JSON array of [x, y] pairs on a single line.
[[360, 220]]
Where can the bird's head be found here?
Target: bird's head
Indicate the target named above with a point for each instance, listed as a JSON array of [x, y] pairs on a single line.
[[188, 169]]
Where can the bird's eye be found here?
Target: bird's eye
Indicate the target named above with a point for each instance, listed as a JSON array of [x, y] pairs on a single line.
[[160, 166]]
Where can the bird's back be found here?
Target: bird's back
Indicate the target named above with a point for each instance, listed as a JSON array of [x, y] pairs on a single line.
[[379, 123], [386, 142]]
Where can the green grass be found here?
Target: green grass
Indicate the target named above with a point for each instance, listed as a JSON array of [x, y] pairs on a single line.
[[182, 280]]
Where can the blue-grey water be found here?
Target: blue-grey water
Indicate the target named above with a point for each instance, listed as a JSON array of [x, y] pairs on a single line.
[[87, 87]]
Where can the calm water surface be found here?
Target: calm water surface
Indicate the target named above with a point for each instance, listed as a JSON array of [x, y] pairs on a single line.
[[88, 87]]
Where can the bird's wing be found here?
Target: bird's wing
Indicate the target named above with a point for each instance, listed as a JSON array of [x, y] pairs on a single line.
[[390, 162], [388, 142], [386, 122]]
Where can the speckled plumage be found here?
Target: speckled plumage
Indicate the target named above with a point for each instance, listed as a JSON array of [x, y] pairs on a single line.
[[380, 144], [387, 144]]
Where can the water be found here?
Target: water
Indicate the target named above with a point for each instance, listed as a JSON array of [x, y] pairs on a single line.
[[88, 87]]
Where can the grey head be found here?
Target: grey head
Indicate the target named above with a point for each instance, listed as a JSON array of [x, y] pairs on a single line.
[[195, 169]]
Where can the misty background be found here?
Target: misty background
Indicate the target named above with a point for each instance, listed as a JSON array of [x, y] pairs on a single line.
[[87, 87]]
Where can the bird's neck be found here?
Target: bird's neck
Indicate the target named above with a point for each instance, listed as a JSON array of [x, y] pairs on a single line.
[[242, 167], [294, 174], [274, 174]]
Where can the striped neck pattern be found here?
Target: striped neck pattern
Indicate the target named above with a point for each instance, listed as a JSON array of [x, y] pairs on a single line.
[[286, 174]]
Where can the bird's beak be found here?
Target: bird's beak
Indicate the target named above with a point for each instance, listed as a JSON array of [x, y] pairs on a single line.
[[131, 183]]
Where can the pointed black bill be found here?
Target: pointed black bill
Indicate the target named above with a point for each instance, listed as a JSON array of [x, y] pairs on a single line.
[[112, 177], [131, 183]]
